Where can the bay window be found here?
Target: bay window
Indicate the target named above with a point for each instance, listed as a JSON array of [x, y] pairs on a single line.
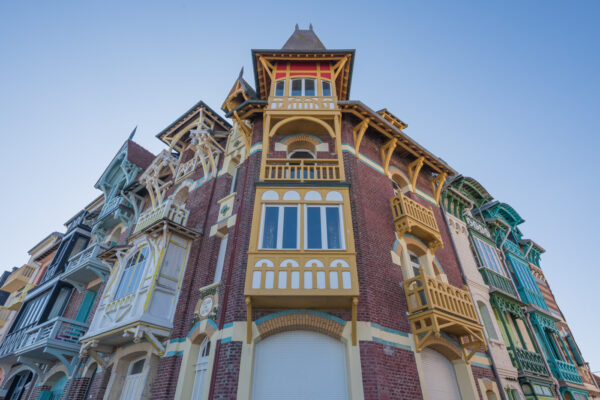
[[132, 273], [488, 256], [303, 87], [279, 228], [323, 228]]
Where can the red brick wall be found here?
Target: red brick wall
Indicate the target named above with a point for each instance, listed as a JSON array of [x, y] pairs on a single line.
[[389, 372], [99, 384], [227, 373], [165, 382], [483, 373]]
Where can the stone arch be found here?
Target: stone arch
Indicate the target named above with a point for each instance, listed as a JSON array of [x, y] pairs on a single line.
[[314, 122], [416, 246], [293, 320], [445, 346], [399, 180]]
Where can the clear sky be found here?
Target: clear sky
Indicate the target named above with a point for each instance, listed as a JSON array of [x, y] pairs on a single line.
[[506, 92]]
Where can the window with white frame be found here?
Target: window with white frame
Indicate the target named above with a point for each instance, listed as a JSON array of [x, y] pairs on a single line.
[[303, 87], [326, 88], [279, 227], [488, 256], [323, 227], [280, 88], [132, 273], [415, 263]]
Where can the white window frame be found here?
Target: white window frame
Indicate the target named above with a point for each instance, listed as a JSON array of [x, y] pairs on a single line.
[[480, 247], [324, 226], [221, 259], [303, 90], [139, 249], [275, 88], [330, 87], [279, 243], [412, 264]]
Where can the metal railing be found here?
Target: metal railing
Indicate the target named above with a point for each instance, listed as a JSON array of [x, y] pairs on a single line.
[[302, 170]]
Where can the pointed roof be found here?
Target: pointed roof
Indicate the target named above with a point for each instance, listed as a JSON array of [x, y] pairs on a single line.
[[303, 39], [240, 91], [132, 152]]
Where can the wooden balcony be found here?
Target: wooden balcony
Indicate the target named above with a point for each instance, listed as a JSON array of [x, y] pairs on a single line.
[[15, 301], [168, 211], [295, 279], [435, 307], [498, 282], [416, 219], [5, 314], [302, 170], [302, 103], [528, 361], [18, 279], [565, 371], [85, 267]]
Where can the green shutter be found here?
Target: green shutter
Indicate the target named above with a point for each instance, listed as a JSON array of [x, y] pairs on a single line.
[[86, 306]]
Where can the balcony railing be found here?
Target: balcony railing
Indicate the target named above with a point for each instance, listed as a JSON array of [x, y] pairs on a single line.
[[436, 306], [5, 313], [302, 103], [15, 301], [111, 205], [412, 217], [302, 170], [18, 279], [58, 332], [85, 267], [565, 371], [303, 280], [498, 281], [167, 210], [528, 361]]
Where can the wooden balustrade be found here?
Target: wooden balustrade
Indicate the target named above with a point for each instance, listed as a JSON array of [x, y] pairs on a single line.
[[303, 103], [411, 217], [15, 301], [167, 210], [302, 170], [18, 279]]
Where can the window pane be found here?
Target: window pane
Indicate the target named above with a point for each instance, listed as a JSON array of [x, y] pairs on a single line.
[[296, 87], [326, 88], [138, 271], [279, 88], [270, 228], [334, 239], [313, 227], [309, 87], [290, 228], [126, 277]]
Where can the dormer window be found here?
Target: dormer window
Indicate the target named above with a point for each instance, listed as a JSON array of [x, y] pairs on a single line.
[[303, 87], [326, 86], [280, 88]]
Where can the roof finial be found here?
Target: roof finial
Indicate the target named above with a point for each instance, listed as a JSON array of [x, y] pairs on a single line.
[[297, 28], [310, 26], [241, 73], [132, 134]]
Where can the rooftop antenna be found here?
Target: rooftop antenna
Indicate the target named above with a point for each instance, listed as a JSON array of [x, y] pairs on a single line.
[[132, 134]]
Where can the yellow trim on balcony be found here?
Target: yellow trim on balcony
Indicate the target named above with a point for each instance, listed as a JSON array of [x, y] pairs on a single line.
[[15, 301], [435, 307], [18, 279], [416, 219]]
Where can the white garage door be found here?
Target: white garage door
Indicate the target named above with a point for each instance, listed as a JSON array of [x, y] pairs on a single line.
[[440, 378], [299, 365]]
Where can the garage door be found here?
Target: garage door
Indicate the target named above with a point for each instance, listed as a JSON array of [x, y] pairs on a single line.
[[440, 378], [299, 365]]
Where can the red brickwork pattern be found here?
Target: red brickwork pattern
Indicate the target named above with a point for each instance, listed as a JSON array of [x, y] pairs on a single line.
[[482, 373]]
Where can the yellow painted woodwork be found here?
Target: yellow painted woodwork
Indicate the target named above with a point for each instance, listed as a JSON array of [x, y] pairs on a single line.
[[416, 219], [245, 131], [248, 319], [386, 154], [303, 103], [18, 279], [302, 170], [435, 307], [437, 185], [358, 133], [413, 171], [354, 321], [5, 313], [15, 301]]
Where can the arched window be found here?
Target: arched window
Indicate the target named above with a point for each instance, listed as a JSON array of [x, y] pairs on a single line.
[[489, 395], [201, 368], [132, 273], [487, 320], [398, 183], [415, 263], [301, 153]]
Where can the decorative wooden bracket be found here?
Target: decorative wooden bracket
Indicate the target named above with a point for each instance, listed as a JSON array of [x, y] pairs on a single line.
[[337, 68], [436, 186], [413, 171], [267, 65], [244, 130], [358, 132], [386, 154], [248, 320]]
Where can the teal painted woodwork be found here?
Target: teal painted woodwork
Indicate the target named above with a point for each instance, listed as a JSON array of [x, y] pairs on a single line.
[[86, 306], [526, 285]]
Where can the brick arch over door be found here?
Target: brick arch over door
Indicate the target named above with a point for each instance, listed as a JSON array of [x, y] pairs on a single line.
[[300, 320]]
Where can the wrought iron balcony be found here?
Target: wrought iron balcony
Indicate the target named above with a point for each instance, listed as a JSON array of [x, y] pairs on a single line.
[[565, 371], [18, 279], [293, 279], [528, 361], [302, 170], [435, 306], [303, 103], [416, 219], [5, 313], [85, 267], [498, 281], [15, 301], [166, 211]]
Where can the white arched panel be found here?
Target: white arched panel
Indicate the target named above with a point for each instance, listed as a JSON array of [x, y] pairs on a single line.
[[270, 195], [313, 196], [439, 376], [334, 196], [291, 195]]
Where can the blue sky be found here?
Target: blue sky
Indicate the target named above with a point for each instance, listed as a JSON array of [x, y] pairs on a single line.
[[506, 92]]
